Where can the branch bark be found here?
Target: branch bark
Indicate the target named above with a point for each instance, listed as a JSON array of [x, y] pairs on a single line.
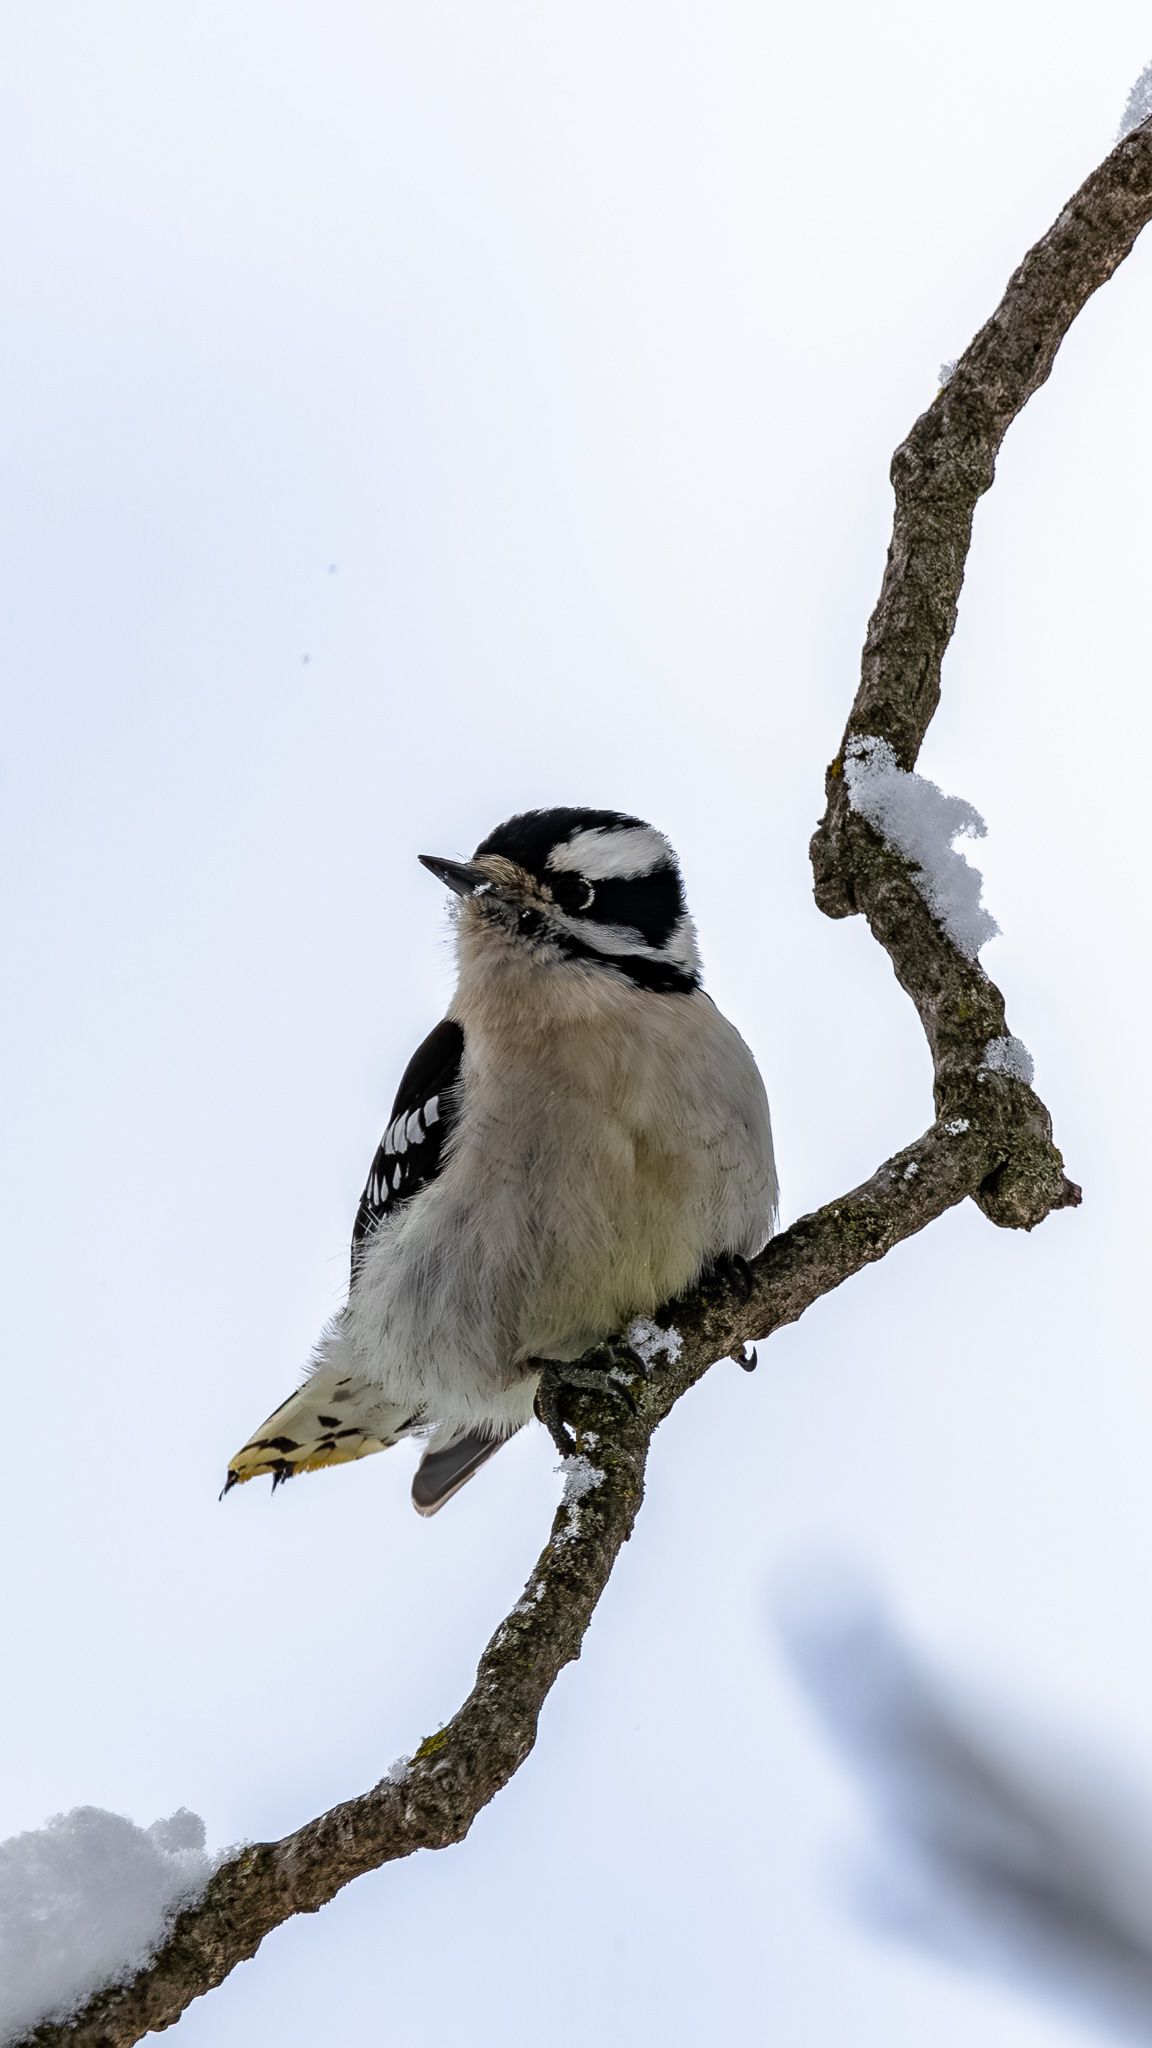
[[991, 1140]]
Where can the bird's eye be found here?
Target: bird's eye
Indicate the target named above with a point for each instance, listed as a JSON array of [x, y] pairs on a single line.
[[572, 892], [529, 923]]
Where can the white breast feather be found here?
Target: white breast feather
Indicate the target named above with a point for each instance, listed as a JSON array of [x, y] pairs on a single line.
[[590, 1175]]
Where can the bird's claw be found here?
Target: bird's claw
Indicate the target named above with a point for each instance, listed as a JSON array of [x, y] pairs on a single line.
[[615, 1365], [734, 1271]]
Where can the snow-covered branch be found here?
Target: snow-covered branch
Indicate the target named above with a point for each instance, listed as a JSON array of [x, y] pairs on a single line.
[[872, 850], [991, 1140]]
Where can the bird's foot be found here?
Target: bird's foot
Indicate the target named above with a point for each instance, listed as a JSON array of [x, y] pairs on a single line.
[[731, 1270], [608, 1369]]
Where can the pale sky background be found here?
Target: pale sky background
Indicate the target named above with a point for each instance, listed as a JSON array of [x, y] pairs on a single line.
[[414, 413]]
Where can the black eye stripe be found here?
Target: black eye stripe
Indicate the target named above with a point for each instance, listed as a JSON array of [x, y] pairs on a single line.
[[649, 904]]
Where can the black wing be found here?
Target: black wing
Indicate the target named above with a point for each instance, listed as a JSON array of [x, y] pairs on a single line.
[[409, 1153]]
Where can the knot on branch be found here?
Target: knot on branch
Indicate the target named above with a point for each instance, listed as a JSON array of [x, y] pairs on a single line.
[[832, 877], [1030, 1181], [949, 458]]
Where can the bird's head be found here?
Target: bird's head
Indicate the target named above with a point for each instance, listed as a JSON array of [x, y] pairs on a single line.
[[596, 890]]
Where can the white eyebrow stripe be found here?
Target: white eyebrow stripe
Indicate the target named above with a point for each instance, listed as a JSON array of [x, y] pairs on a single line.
[[605, 853]]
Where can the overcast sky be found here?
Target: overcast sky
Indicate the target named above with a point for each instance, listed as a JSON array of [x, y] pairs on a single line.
[[417, 412]]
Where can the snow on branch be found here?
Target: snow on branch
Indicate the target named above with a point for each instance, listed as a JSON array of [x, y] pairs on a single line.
[[992, 1141], [916, 818], [1138, 106], [1009, 1056], [86, 1901]]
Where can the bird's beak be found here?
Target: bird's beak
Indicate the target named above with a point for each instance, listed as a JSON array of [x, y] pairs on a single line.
[[459, 875]]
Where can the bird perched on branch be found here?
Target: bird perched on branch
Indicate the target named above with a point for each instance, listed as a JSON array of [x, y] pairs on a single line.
[[580, 1140]]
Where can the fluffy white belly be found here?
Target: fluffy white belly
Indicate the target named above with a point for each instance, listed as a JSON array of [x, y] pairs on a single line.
[[579, 1189]]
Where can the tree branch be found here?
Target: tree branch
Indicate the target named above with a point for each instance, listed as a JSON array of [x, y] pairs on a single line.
[[992, 1140], [946, 464]]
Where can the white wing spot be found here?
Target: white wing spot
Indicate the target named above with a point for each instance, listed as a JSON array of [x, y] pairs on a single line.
[[414, 1129], [431, 1111]]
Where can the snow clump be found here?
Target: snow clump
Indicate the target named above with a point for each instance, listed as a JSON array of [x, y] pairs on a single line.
[[1138, 107], [580, 1476], [650, 1342], [85, 1901], [1009, 1056], [916, 818]]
